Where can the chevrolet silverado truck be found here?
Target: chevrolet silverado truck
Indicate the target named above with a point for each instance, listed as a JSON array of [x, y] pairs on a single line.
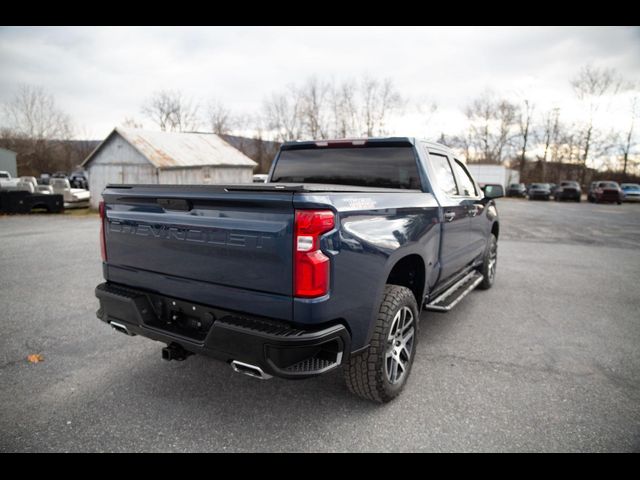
[[329, 264]]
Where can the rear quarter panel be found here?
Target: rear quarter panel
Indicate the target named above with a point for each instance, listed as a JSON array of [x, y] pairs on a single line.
[[373, 232]]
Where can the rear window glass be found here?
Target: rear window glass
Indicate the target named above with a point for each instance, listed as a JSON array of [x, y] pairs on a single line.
[[381, 167]]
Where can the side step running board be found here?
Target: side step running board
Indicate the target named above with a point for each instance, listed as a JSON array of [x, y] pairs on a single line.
[[450, 298]]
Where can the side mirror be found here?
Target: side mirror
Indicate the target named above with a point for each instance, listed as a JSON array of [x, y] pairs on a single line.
[[493, 190]]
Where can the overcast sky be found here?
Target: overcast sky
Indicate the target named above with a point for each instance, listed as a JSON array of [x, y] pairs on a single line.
[[101, 75]]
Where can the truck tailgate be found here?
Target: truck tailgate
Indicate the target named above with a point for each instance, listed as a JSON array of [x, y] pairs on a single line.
[[239, 239]]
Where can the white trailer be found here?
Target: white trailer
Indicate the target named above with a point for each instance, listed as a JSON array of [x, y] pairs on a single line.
[[494, 174]]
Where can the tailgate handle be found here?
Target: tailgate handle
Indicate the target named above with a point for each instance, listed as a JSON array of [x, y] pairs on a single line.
[[174, 204]]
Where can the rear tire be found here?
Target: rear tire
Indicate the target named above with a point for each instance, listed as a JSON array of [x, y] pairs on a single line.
[[489, 264], [380, 372]]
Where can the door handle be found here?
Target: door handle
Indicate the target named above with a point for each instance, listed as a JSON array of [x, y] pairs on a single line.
[[449, 216]]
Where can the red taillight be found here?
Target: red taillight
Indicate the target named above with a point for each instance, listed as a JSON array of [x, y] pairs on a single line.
[[310, 265], [103, 243]]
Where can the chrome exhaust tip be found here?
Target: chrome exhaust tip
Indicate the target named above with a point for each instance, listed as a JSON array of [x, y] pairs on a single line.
[[250, 370], [121, 328]]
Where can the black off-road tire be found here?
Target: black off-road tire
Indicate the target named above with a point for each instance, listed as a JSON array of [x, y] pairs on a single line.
[[486, 267], [365, 373]]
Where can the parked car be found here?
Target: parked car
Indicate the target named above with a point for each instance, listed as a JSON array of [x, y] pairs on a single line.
[[78, 179], [552, 188], [34, 187], [631, 192], [260, 178], [328, 264], [517, 190], [8, 183], [605, 191], [539, 191], [44, 179], [568, 190], [73, 197], [23, 195]]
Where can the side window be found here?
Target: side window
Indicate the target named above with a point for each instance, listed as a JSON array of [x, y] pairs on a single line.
[[444, 174], [467, 187]]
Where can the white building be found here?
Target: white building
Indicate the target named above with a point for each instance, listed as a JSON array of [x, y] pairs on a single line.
[[129, 156]]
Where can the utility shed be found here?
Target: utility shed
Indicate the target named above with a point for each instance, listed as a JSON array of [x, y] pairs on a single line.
[[130, 156], [8, 162]]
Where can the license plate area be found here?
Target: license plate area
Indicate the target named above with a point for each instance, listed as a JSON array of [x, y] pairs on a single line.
[[180, 317]]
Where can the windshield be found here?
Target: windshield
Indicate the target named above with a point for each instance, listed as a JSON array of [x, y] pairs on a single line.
[[539, 186], [382, 167], [4, 175], [608, 185]]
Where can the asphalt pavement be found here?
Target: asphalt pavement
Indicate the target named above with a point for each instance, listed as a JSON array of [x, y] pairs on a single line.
[[547, 360]]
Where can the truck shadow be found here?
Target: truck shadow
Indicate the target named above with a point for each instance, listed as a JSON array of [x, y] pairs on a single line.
[[204, 382]]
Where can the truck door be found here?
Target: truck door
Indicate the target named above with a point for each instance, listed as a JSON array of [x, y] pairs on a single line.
[[454, 249], [472, 199]]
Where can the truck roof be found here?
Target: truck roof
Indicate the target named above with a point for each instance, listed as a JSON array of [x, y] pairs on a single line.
[[372, 141]]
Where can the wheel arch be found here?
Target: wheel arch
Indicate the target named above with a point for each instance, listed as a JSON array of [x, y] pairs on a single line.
[[409, 271]]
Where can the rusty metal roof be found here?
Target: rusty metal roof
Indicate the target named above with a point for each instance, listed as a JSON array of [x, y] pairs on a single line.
[[180, 150]]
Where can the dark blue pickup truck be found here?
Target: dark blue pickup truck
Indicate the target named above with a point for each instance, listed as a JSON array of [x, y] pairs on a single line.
[[328, 264]]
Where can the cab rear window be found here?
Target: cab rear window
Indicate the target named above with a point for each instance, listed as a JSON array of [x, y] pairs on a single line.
[[382, 167]]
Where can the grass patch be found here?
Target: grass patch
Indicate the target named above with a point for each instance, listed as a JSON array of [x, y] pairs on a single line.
[[80, 212]]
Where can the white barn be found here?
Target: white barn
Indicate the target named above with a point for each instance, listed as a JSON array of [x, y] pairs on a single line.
[[138, 156]]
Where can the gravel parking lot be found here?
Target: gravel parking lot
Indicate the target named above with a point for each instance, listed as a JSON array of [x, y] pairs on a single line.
[[547, 360]]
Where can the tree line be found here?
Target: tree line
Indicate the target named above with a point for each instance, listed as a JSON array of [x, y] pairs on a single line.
[[502, 130], [498, 129]]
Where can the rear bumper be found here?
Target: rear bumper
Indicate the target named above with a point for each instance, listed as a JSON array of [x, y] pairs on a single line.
[[279, 349]]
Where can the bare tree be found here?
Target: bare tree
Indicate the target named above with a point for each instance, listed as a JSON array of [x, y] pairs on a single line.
[[547, 135], [345, 109], [221, 120], [524, 123], [35, 127], [592, 85], [428, 111], [491, 124], [171, 111], [32, 113], [130, 122], [380, 99], [629, 140], [320, 109], [315, 106], [283, 114]]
